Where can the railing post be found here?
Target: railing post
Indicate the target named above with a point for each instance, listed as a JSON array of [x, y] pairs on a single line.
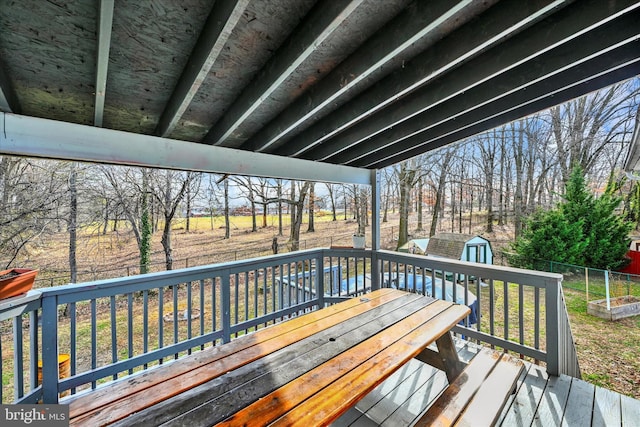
[[320, 279], [552, 311], [226, 305], [375, 271], [49, 348]]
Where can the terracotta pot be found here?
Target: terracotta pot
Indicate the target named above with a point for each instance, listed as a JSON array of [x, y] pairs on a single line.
[[20, 282]]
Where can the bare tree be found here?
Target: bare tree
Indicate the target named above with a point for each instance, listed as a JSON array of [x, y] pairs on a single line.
[[297, 210], [331, 194], [168, 188], [30, 192], [312, 203], [583, 127], [442, 160]]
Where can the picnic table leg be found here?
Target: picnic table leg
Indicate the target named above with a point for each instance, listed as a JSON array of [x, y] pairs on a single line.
[[453, 366]]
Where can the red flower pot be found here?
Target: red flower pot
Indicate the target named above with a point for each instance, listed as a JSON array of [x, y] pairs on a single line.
[[16, 281]]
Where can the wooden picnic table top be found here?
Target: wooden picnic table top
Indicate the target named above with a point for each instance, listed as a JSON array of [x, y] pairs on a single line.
[[307, 370]]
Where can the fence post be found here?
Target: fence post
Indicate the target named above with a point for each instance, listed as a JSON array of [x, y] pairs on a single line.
[[49, 348], [586, 277], [606, 288]]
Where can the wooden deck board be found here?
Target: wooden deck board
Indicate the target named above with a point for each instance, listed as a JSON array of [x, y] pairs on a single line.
[[630, 411], [540, 400], [579, 408], [606, 408], [523, 409]]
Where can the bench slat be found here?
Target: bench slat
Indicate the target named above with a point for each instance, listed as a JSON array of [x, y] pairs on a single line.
[[451, 403], [487, 404], [474, 397]]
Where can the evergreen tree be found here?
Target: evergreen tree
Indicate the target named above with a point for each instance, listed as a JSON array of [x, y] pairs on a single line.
[[582, 230], [547, 235]]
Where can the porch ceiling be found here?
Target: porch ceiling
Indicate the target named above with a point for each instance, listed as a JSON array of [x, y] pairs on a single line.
[[361, 83]]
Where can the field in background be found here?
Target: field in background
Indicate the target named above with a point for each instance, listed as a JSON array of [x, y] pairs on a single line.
[[609, 353]]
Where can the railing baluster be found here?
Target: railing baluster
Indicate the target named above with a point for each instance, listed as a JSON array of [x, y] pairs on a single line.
[[33, 351], [114, 333], [18, 363], [189, 312], [505, 286], [176, 309], [130, 327], [202, 305], [2, 374], [491, 309], [536, 317], [215, 283], [145, 324], [94, 339], [160, 320], [73, 332], [246, 297], [521, 312]]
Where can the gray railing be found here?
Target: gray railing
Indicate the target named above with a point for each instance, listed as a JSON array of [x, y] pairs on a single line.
[[114, 328]]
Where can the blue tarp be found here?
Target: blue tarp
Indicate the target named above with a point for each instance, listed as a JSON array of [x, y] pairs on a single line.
[[415, 283], [352, 285]]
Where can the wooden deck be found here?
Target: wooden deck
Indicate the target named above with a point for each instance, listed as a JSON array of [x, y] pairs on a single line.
[[539, 400]]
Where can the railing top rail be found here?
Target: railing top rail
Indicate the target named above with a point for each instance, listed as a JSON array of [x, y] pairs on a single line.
[[105, 287], [12, 307], [517, 275]]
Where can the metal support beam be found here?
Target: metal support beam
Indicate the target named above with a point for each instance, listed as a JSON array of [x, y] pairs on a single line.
[[416, 25], [324, 19], [102, 61], [30, 136], [467, 42], [223, 18]]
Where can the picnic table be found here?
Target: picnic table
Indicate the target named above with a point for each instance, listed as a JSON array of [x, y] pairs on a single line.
[[307, 370]]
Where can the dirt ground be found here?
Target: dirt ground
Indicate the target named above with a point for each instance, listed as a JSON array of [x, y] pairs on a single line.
[[609, 353]]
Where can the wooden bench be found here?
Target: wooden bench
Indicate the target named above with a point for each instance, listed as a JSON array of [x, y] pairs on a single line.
[[476, 396]]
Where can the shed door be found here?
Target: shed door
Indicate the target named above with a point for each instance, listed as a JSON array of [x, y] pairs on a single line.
[[477, 253]]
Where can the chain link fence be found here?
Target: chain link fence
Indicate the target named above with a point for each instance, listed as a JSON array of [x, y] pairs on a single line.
[[595, 283]]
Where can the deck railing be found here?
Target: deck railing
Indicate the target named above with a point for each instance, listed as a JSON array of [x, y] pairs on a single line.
[[113, 328]]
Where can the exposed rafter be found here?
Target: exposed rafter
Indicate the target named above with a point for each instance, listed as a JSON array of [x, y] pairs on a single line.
[[8, 99], [450, 97], [463, 44], [102, 60], [323, 20], [223, 18], [418, 24]]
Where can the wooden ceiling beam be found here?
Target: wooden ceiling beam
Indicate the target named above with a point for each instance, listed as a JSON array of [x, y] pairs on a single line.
[[465, 43], [323, 20], [102, 61], [419, 23], [564, 27], [223, 18]]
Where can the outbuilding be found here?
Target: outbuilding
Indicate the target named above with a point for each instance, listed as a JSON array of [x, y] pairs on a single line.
[[463, 247]]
